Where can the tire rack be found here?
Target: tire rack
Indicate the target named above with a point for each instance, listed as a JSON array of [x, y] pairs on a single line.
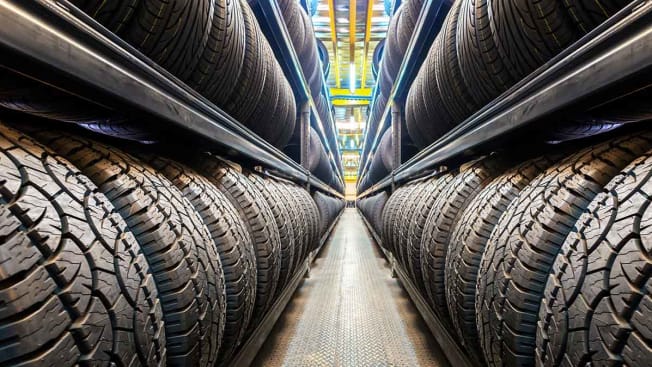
[[615, 50], [273, 26], [250, 347], [56, 43], [452, 349]]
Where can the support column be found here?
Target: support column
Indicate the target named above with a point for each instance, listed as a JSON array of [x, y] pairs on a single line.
[[304, 120], [396, 123]]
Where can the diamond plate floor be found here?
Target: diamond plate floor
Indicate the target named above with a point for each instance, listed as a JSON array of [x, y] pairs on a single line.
[[350, 312]]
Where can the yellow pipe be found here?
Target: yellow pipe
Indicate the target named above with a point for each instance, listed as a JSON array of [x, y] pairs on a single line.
[[352, 24], [367, 38], [336, 54]]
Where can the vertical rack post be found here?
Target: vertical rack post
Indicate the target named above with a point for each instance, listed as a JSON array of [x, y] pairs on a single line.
[[304, 120], [396, 136]]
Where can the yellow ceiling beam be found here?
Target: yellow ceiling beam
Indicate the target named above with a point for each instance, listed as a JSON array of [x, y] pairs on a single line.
[[336, 54], [349, 103], [367, 39], [360, 92]]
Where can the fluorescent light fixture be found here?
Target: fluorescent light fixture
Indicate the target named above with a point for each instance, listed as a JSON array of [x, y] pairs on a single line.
[[352, 77]]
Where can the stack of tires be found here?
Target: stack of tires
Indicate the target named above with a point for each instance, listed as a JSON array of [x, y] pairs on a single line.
[[128, 257], [215, 46], [329, 208], [543, 261], [372, 209], [382, 162], [393, 49], [305, 44], [484, 48]]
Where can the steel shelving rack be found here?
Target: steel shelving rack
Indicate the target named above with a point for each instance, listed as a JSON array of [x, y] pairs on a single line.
[[615, 51], [57, 44]]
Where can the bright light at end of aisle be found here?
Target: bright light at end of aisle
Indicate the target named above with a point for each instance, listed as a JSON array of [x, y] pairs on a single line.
[[352, 77]]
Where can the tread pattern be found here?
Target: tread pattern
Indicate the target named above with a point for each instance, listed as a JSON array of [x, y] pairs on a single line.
[[259, 219], [231, 240], [429, 196], [596, 304], [75, 283], [522, 248], [442, 218], [297, 221], [528, 33], [588, 14], [172, 33], [177, 245], [468, 242], [284, 226]]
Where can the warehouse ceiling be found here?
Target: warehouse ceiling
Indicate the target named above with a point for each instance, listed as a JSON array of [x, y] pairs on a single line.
[[350, 30]]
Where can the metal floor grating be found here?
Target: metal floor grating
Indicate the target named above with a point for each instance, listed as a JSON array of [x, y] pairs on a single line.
[[350, 312]]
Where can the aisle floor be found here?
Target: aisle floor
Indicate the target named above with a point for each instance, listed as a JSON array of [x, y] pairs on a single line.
[[350, 312]]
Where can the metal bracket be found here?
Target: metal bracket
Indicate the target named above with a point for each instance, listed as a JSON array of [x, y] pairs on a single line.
[[304, 120]]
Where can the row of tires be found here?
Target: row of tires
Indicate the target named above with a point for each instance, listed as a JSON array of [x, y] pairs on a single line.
[[216, 47], [302, 35], [394, 47], [487, 46], [137, 259], [544, 261]]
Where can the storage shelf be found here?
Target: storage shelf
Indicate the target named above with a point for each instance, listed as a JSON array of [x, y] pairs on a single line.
[[615, 51], [81, 54]]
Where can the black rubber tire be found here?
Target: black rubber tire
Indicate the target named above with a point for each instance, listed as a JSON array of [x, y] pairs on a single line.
[[443, 216], [314, 215], [249, 86], [232, 242], [114, 15], [468, 242], [176, 243], [529, 33], [298, 221], [454, 93], [481, 67], [283, 225], [76, 285], [526, 240], [426, 200], [390, 215], [588, 14], [294, 25], [388, 210], [171, 33], [220, 63], [406, 218], [259, 220], [596, 304], [402, 222]]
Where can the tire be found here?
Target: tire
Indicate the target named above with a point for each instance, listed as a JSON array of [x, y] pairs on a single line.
[[589, 14], [426, 200], [388, 210], [443, 216], [177, 245], [406, 217], [284, 226], [314, 215], [297, 221], [526, 240], [391, 214], [468, 242], [529, 33], [249, 87], [220, 64], [232, 242], [259, 220], [171, 33], [595, 308], [76, 285], [482, 69], [454, 93]]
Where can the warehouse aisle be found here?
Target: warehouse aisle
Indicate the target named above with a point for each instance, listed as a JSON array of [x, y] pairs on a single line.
[[350, 312]]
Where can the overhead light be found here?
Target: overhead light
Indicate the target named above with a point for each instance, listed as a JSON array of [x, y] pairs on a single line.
[[352, 77]]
